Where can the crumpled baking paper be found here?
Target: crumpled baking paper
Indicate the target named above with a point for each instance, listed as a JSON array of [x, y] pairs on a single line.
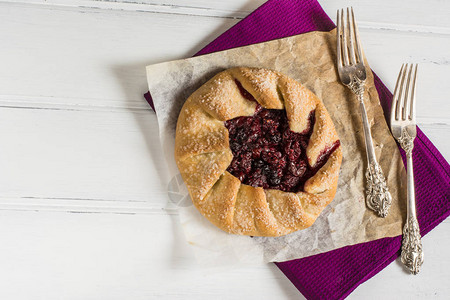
[[310, 59]]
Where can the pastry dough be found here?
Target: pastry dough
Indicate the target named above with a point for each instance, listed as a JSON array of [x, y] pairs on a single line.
[[203, 154]]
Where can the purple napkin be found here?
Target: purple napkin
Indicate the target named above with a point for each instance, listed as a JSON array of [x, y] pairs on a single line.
[[335, 274]]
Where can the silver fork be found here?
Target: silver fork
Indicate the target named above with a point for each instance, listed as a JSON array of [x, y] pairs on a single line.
[[403, 127], [352, 72]]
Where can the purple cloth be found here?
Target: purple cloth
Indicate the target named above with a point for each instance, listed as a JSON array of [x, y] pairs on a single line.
[[335, 274]]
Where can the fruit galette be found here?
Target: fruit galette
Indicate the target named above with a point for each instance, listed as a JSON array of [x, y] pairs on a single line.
[[258, 152]]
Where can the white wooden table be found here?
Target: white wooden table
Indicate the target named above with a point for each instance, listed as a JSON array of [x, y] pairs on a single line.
[[82, 193]]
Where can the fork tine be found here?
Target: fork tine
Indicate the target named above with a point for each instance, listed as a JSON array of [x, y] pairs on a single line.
[[394, 106], [345, 40], [360, 57], [338, 39], [407, 105], [405, 100], [401, 99], [412, 107], [352, 38]]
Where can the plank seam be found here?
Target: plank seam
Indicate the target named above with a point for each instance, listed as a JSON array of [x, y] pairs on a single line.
[[162, 8]]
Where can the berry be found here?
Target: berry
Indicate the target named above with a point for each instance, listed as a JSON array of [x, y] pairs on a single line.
[[266, 153]]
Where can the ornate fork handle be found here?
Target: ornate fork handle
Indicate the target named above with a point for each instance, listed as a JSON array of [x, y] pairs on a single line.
[[378, 197], [412, 253]]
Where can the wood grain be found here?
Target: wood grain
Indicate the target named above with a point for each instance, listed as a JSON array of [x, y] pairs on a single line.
[[83, 207]]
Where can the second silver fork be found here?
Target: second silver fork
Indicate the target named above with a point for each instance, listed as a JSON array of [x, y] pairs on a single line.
[[352, 72], [403, 127]]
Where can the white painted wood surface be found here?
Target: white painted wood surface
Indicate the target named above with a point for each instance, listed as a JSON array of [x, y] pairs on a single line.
[[83, 207]]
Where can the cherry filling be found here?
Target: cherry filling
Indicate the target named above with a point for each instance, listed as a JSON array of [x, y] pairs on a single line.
[[267, 154]]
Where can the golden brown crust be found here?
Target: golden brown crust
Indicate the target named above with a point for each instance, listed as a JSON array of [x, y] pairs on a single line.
[[202, 154]]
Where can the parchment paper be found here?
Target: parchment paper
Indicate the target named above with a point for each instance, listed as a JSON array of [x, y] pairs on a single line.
[[310, 59]]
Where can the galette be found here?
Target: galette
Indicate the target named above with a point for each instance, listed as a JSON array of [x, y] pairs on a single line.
[[258, 152]]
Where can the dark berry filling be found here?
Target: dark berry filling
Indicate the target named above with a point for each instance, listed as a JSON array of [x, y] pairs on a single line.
[[267, 154]]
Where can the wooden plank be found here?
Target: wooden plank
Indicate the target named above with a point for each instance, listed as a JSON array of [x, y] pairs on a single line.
[[64, 154], [417, 15], [235, 9], [48, 255]]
